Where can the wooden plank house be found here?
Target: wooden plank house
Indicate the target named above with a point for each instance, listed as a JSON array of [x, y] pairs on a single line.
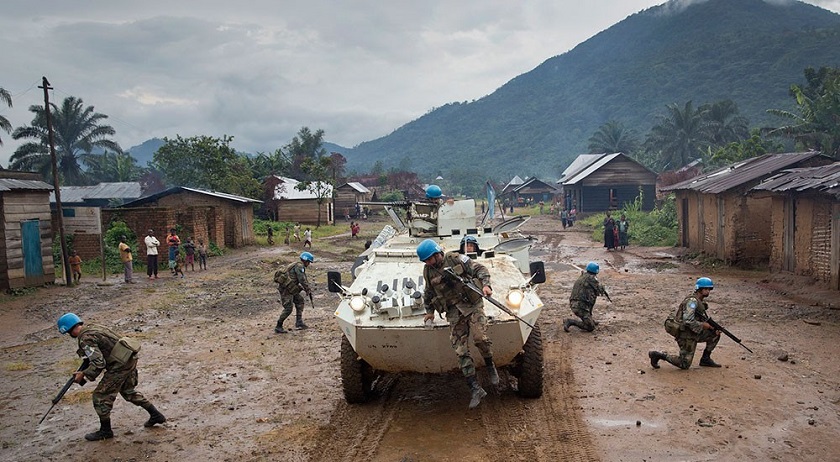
[[601, 182], [348, 195], [301, 206], [26, 258], [805, 222], [718, 217]]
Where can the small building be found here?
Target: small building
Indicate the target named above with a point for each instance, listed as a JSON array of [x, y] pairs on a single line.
[[718, 217], [224, 219], [26, 258], [507, 191], [805, 221], [601, 182], [301, 206], [82, 212], [348, 195], [535, 191]]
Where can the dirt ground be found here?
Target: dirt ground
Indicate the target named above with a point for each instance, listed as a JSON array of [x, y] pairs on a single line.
[[234, 390]]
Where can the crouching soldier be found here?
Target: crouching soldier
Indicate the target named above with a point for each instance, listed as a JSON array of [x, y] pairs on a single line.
[[689, 327], [117, 356], [584, 294]]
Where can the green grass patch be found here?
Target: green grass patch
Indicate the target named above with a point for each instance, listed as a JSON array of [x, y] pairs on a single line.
[[18, 366], [657, 228]]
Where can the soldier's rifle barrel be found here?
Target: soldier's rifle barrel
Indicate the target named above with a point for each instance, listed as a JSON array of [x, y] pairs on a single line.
[[490, 299]]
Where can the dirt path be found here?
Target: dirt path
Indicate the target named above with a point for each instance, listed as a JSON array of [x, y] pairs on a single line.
[[233, 390]]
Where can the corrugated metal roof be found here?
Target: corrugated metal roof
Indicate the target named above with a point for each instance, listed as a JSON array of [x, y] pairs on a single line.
[[741, 173], [532, 180], [358, 187], [177, 189], [119, 190], [289, 190], [602, 160], [12, 184], [825, 179], [581, 162]]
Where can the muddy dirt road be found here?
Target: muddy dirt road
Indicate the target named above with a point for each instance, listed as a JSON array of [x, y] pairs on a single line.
[[234, 390]]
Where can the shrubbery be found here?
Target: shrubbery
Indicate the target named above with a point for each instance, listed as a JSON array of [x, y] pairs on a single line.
[[656, 228]]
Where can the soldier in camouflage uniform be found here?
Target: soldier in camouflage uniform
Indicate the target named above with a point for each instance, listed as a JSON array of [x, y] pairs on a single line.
[[689, 327], [464, 308], [105, 351], [584, 294], [291, 281]]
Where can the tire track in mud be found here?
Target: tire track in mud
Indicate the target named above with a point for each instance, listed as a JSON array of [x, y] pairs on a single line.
[[355, 432]]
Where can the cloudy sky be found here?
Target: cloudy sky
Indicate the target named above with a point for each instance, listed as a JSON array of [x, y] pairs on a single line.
[[259, 70]]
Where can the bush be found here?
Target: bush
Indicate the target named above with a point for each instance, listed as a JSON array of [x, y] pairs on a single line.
[[656, 228]]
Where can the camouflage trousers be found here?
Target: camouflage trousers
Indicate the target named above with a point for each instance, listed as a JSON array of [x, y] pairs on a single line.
[[462, 327], [583, 310], [288, 300], [120, 381], [687, 342]]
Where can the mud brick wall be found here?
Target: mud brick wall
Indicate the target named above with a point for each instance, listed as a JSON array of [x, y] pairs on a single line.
[[140, 221]]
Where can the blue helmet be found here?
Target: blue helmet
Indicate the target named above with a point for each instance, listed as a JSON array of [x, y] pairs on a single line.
[[592, 267], [427, 248], [306, 256], [704, 283], [433, 191], [67, 322], [469, 240]]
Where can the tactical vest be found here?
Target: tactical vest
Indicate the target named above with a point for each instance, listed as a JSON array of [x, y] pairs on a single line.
[[448, 291], [286, 279]]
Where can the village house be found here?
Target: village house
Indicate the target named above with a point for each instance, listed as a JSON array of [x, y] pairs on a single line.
[[719, 218], [348, 195], [226, 220], [26, 258], [805, 221], [535, 191], [601, 182], [82, 212], [301, 206]]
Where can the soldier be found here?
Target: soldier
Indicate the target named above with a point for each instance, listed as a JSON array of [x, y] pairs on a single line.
[[689, 327], [291, 281], [584, 294], [117, 356], [464, 309], [469, 245]]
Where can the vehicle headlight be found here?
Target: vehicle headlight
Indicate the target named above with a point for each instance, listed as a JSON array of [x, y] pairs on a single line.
[[514, 298], [357, 303]]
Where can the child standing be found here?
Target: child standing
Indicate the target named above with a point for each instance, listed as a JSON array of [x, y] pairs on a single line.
[[179, 263], [189, 252], [174, 243], [75, 262], [202, 255], [307, 238]]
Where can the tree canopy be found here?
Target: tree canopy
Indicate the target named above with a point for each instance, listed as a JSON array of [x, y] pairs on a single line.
[[78, 131]]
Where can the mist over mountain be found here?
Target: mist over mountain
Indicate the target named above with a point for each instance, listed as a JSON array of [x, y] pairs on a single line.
[[749, 51]]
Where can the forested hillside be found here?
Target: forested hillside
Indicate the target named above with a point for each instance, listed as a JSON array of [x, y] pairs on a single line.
[[749, 51]]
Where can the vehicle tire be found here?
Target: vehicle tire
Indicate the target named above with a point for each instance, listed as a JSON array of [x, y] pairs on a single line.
[[531, 372], [356, 374]]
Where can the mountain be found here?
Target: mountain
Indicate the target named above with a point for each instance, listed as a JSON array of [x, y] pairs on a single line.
[[749, 51], [145, 151]]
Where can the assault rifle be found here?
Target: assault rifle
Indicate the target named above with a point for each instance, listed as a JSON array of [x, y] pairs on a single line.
[[720, 328], [470, 285], [582, 271], [66, 387]]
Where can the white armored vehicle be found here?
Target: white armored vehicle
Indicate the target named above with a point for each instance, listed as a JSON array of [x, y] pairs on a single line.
[[381, 312]]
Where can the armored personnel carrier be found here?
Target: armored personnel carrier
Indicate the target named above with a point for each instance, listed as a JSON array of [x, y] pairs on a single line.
[[381, 312]]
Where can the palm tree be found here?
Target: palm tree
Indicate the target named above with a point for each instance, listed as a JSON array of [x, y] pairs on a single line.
[[817, 125], [680, 137], [725, 125], [4, 122], [78, 131], [613, 137], [113, 167]]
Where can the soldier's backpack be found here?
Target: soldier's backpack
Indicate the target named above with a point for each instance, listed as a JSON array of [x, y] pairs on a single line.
[[284, 280]]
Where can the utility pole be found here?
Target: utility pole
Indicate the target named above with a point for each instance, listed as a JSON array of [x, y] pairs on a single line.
[[59, 212]]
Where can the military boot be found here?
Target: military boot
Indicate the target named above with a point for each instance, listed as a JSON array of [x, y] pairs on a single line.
[[566, 324], [278, 329], [103, 433], [155, 417], [477, 392], [655, 356], [491, 371], [299, 322], [706, 360]]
